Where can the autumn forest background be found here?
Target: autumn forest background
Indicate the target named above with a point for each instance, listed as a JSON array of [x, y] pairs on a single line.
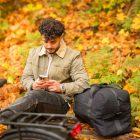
[[107, 32]]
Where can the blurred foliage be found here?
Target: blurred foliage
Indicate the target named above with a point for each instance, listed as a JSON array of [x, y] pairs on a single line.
[[106, 32]]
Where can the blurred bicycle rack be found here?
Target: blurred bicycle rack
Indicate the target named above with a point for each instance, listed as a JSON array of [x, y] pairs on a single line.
[[40, 126]]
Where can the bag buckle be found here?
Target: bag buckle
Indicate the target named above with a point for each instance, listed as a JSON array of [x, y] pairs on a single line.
[[118, 113]]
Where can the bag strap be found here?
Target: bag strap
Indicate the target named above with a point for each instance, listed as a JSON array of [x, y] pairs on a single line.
[[117, 101], [94, 88], [117, 121], [103, 85]]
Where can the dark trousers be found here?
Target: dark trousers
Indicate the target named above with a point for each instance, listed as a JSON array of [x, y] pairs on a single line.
[[39, 101]]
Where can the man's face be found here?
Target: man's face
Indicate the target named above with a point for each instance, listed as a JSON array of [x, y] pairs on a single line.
[[52, 45]]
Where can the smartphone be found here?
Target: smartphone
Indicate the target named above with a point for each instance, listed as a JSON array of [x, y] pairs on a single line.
[[43, 77]]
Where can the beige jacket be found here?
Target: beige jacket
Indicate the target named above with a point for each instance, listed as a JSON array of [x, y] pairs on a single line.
[[65, 66]]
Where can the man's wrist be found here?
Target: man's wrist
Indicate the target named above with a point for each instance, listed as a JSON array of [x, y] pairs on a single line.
[[62, 87]]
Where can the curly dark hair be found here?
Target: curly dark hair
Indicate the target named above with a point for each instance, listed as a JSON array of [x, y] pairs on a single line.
[[51, 28]]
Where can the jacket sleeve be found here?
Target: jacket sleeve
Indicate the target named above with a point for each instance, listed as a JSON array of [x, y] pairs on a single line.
[[27, 78], [79, 77]]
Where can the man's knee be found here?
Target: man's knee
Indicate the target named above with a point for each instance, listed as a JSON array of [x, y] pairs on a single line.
[[35, 92], [29, 97], [31, 92], [38, 95]]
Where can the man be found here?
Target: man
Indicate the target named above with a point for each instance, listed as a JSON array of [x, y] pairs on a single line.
[[63, 68]]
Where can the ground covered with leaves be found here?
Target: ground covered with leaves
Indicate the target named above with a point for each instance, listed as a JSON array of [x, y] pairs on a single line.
[[106, 32]]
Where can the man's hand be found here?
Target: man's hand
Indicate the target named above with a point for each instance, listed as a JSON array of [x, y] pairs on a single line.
[[38, 84], [50, 85], [54, 86]]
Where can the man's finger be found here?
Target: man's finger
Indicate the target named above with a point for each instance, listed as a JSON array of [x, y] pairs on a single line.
[[51, 88], [51, 81], [40, 82]]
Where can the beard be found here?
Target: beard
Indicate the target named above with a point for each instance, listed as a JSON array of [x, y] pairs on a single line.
[[52, 50]]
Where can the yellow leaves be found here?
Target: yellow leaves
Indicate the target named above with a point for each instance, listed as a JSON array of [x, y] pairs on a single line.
[[88, 1], [2, 128], [119, 72], [32, 7], [4, 25], [2, 71], [53, 15], [5, 65], [88, 34], [123, 33], [105, 40], [129, 88], [19, 28], [8, 94], [106, 3], [20, 32], [120, 16], [3, 1], [10, 79], [93, 81], [79, 47], [126, 50], [136, 132], [15, 27], [134, 69], [136, 23], [113, 68], [137, 121]]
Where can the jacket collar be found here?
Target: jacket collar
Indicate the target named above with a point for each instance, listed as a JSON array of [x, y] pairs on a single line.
[[60, 52]]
